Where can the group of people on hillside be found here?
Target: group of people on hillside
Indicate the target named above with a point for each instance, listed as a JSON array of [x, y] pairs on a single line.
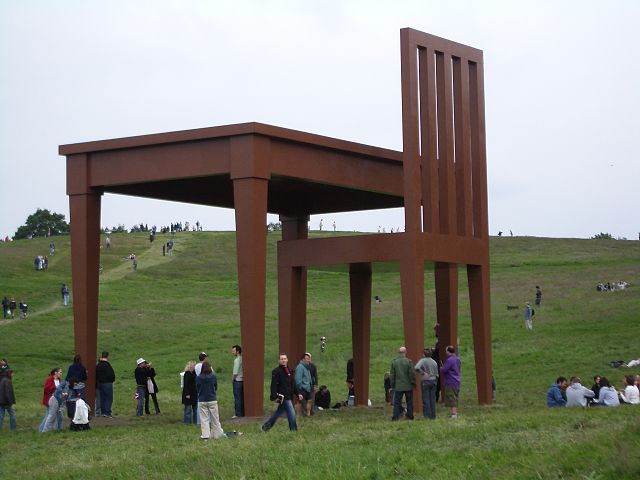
[[529, 312], [9, 307], [611, 286], [41, 263], [571, 393]]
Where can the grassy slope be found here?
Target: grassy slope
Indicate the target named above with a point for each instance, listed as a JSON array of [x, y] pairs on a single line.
[[172, 308]]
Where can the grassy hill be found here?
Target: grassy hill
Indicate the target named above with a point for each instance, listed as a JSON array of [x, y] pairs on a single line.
[[171, 308]]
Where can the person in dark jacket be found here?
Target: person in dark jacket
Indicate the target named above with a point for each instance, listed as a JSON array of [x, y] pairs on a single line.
[[105, 376], [78, 371], [282, 394], [190, 394], [140, 374], [7, 399], [151, 389], [323, 398], [207, 385]]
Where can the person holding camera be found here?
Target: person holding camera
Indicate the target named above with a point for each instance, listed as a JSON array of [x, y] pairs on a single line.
[[282, 394]]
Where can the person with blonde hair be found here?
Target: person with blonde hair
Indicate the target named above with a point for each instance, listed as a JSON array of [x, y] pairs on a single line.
[[190, 394]]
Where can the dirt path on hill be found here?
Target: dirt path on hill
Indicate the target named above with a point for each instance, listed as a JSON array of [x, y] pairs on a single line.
[[150, 257]]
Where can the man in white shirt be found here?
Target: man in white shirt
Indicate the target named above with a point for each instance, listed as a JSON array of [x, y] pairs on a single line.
[[198, 368]]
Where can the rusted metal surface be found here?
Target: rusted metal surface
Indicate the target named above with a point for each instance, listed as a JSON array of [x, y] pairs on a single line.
[[439, 178]]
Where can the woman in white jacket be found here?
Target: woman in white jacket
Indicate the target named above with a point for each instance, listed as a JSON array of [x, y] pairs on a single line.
[[630, 394]]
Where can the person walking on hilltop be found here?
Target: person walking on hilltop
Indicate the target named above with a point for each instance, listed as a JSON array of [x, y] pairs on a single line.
[[282, 394], [64, 291], [403, 381], [450, 370]]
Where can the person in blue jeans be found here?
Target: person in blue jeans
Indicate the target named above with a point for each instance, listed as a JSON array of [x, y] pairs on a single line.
[[428, 370], [7, 398], [282, 394], [140, 374], [105, 376]]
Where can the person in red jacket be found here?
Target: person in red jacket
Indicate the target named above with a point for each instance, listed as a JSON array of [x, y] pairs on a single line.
[[50, 384]]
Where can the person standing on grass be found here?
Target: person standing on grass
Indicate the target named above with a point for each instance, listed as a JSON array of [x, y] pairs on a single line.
[[577, 395], [140, 375], [528, 316], [207, 385], [7, 399], [78, 371], [151, 388], [64, 291], [538, 296], [57, 401], [428, 368], [313, 370], [403, 380], [50, 385], [450, 370], [555, 394], [304, 384], [237, 379], [282, 394], [5, 307], [190, 394], [105, 376]]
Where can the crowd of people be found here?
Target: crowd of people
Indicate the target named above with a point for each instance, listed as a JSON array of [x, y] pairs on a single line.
[[571, 393], [612, 286]]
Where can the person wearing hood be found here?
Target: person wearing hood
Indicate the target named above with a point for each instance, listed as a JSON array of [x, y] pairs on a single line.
[[555, 396], [578, 395]]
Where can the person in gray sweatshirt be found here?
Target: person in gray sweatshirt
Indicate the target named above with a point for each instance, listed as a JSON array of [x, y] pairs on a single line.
[[578, 395]]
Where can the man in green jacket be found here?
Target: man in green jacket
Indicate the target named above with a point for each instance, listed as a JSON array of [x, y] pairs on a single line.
[[304, 385], [403, 381]]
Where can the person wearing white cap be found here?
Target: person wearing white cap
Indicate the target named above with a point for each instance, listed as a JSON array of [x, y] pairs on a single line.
[[141, 384]]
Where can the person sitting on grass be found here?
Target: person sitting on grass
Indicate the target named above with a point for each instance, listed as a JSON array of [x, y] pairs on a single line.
[[555, 397], [630, 394], [577, 395], [608, 396], [323, 398]]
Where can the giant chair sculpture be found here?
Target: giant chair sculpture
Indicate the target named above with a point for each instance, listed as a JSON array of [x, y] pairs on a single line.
[[440, 178]]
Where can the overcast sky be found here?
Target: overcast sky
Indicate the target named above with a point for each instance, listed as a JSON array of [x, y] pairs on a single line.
[[561, 86]]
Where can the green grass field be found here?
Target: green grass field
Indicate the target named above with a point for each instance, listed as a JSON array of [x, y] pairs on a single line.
[[171, 308]]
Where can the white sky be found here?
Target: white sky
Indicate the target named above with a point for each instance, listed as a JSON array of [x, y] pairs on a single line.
[[561, 86]]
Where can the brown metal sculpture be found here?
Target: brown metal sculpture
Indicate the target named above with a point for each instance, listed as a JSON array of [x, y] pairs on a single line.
[[440, 178]]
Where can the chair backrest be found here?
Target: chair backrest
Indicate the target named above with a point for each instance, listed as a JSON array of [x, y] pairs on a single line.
[[444, 152]]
